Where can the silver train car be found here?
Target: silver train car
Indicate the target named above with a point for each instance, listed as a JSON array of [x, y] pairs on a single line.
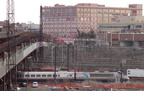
[[64, 75]]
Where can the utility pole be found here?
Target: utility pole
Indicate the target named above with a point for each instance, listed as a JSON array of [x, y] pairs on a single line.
[[27, 75], [10, 26], [123, 61], [52, 55], [41, 34], [121, 80], [10, 12], [41, 25], [10, 29]]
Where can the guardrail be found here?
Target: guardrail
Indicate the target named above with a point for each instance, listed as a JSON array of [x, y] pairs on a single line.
[[3, 34]]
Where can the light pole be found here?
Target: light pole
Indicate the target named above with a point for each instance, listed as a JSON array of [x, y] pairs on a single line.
[[68, 43], [27, 78], [121, 66], [52, 55], [28, 59], [68, 56], [55, 64], [62, 55], [121, 80]]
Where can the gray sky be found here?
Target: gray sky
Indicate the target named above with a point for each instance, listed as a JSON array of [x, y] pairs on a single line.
[[28, 10]]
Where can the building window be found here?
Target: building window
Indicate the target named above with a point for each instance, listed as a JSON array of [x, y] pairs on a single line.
[[128, 11], [85, 9], [117, 11], [92, 10], [122, 11], [111, 10], [138, 26], [99, 15], [99, 10], [134, 11], [81, 9], [105, 10], [105, 14], [85, 14]]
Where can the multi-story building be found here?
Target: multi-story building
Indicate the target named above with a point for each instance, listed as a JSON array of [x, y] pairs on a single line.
[[1, 25], [64, 21], [30, 26]]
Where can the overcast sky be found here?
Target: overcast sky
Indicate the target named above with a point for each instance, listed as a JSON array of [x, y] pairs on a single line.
[[28, 10]]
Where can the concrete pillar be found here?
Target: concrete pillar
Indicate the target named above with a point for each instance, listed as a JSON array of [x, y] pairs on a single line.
[[122, 44], [4, 84], [136, 44], [1, 85]]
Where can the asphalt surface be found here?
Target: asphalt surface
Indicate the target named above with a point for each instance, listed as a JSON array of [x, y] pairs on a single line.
[[47, 88], [40, 88]]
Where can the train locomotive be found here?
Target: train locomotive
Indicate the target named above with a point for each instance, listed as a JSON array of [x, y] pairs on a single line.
[[65, 75]]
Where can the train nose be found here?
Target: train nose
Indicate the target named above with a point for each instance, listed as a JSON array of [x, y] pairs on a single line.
[[128, 78]]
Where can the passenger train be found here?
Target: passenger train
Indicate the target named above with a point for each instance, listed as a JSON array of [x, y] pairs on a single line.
[[65, 75], [135, 74]]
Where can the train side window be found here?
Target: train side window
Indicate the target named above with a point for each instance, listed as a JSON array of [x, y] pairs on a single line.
[[26, 75], [43, 75], [48, 75], [38, 75], [54, 75], [32, 75], [18, 75]]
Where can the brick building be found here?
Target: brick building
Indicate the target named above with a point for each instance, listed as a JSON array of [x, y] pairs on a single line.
[[121, 39], [63, 21]]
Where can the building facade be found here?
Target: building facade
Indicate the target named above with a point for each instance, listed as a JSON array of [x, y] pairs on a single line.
[[1, 25], [30, 26], [121, 39], [124, 24], [64, 21]]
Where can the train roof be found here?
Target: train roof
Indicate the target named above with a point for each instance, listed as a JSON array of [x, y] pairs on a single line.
[[66, 72]]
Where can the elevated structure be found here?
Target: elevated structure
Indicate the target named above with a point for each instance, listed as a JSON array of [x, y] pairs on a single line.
[[10, 11], [10, 27], [20, 56], [10, 62]]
